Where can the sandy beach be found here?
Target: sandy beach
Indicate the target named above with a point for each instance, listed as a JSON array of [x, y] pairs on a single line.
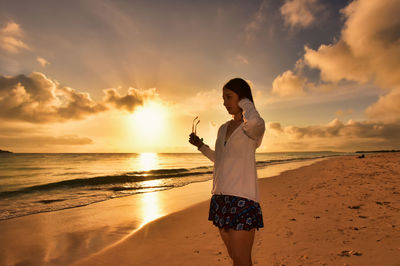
[[65, 236], [336, 211], [340, 211]]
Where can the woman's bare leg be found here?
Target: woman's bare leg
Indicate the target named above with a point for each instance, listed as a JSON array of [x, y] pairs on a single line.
[[226, 238], [241, 244]]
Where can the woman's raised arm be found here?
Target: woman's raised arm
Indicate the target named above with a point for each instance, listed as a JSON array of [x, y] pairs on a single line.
[[253, 125]]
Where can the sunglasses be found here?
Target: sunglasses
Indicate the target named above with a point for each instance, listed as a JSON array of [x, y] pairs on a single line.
[[194, 125]]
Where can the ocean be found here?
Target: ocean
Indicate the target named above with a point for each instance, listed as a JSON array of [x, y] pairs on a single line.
[[42, 182]]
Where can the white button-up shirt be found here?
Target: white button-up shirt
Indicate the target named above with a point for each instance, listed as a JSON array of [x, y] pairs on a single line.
[[235, 170]]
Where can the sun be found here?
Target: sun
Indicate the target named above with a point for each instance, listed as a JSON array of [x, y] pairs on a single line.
[[148, 122]]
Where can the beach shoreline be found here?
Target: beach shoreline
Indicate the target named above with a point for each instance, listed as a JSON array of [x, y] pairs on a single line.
[[64, 236], [339, 211]]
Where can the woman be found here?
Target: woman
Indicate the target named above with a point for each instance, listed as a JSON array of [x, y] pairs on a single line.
[[234, 206]]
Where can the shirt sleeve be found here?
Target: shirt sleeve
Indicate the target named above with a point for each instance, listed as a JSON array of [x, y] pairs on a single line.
[[209, 153], [254, 125]]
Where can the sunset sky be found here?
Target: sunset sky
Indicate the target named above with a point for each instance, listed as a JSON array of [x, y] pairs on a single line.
[[130, 76]]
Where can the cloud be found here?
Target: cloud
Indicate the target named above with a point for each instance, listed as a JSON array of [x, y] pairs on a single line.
[[43, 62], [336, 63], [38, 99], [300, 13], [130, 101], [40, 141], [367, 53], [77, 105], [11, 38], [275, 127], [372, 35], [387, 108], [255, 24], [242, 59], [351, 135], [369, 48], [289, 84], [351, 129], [341, 112], [10, 129]]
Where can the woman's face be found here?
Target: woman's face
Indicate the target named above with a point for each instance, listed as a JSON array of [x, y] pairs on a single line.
[[231, 100]]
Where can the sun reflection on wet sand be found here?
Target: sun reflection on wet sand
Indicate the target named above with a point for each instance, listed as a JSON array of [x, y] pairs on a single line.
[[150, 206]]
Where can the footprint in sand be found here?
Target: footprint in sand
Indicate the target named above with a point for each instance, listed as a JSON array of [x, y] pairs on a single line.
[[354, 207], [348, 253], [383, 203]]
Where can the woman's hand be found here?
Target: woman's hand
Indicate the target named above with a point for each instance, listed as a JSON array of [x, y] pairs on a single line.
[[195, 140]]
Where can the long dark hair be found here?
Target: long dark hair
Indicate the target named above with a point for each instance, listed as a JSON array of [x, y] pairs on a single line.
[[240, 87]]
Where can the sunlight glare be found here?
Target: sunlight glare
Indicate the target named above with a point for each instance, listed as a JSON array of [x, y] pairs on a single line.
[[151, 206], [148, 161], [148, 122]]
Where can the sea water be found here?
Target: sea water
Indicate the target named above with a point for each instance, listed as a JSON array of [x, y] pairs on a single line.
[[41, 182]]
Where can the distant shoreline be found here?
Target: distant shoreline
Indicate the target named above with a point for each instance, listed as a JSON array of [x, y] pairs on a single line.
[[164, 152], [10, 152], [378, 151]]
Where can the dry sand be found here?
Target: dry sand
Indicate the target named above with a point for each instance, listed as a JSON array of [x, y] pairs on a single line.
[[340, 211]]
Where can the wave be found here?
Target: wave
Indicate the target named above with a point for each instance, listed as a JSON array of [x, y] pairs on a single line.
[[112, 182], [129, 177]]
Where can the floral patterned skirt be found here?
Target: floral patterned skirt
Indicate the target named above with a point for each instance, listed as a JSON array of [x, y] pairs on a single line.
[[239, 213]]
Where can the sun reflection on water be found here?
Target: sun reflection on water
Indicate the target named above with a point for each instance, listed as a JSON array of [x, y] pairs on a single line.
[[148, 161], [151, 208]]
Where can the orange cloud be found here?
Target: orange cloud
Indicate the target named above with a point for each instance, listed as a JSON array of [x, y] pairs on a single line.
[[10, 38], [43, 62], [367, 52], [289, 84], [341, 112], [38, 99], [275, 127], [353, 135], [255, 24], [47, 140], [25, 142], [130, 101], [387, 108], [300, 13], [336, 128]]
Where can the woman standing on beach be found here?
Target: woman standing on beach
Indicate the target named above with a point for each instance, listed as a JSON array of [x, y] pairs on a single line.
[[234, 206]]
